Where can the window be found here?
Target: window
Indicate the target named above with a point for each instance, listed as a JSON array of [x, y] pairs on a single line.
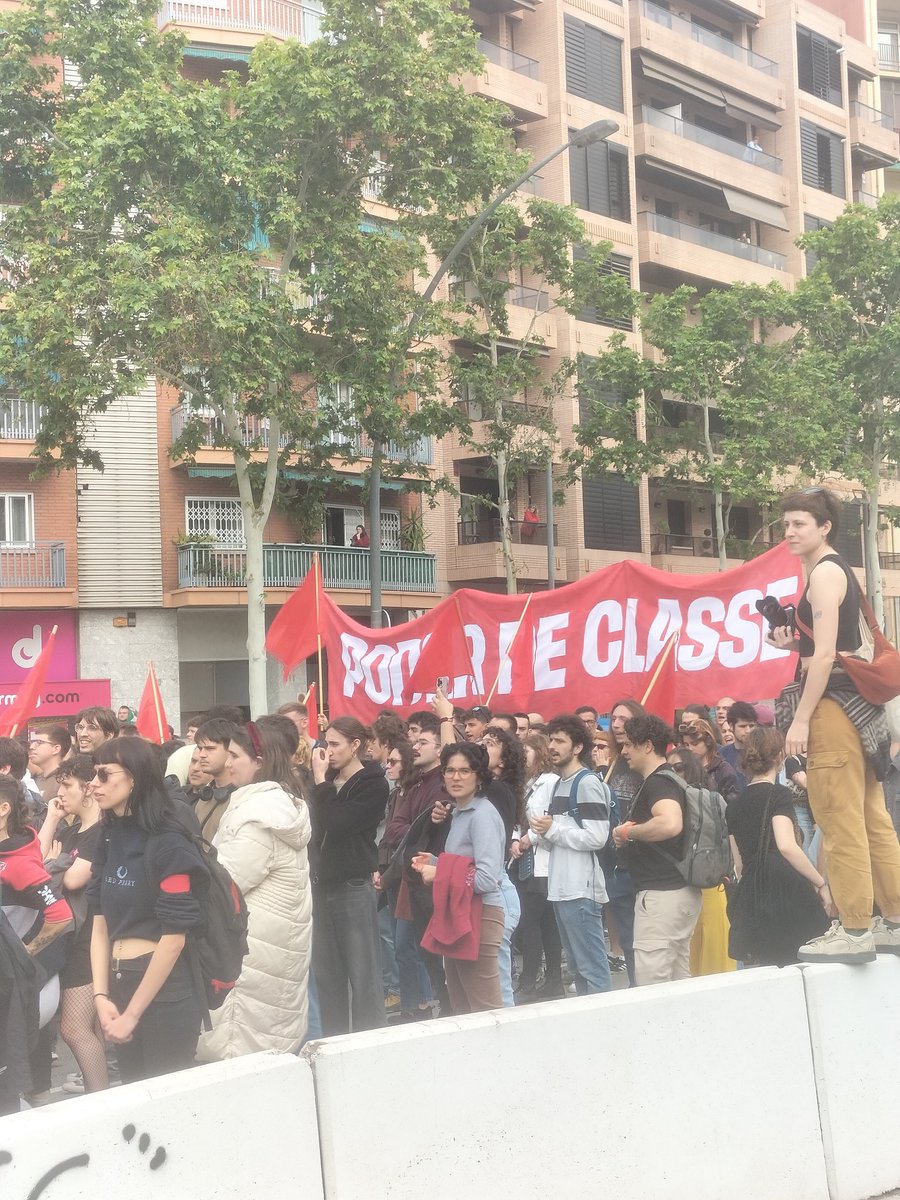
[[341, 521], [848, 542], [811, 225], [716, 225], [598, 176], [221, 519], [16, 517], [678, 517], [822, 159], [616, 264], [337, 400], [666, 208], [593, 65], [819, 66], [596, 395], [889, 46], [612, 517], [739, 524]]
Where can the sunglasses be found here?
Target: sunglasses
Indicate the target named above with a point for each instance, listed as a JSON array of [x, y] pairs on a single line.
[[394, 762], [677, 766], [104, 774]]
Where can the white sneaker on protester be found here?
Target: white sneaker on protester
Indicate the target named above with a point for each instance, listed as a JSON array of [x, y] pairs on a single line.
[[839, 946], [74, 1084], [887, 940]]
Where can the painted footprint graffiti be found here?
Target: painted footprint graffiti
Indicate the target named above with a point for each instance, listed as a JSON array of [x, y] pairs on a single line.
[[142, 1145]]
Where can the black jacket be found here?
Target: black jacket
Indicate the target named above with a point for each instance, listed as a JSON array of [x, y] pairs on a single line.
[[345, 825]]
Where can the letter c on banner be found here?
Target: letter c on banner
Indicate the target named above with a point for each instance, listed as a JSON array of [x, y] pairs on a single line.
[[611, 612]]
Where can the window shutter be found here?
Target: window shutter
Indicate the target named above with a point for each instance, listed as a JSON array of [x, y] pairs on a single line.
[[804, 60], [837, 186], [616, 264], [610, 89], [619, 193], [612, 518], [578, 175], [809, 154], [576, 67], [593, 64], [598, 178]]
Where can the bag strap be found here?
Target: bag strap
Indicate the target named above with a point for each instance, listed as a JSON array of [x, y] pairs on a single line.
[[572, 797]]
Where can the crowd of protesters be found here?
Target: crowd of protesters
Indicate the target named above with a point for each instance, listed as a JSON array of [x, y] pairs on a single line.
[[454, 861]]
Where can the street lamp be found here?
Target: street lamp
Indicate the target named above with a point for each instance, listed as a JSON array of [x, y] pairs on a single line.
[[597, 131]]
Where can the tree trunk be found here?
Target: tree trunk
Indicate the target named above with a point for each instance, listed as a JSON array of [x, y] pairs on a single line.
[[509, 562], [375, 559], [871, 560]]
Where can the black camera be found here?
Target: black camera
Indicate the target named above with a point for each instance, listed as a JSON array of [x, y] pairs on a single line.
[[777, 615]]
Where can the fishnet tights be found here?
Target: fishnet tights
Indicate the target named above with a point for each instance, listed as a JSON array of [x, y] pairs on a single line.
[[82, 1034]]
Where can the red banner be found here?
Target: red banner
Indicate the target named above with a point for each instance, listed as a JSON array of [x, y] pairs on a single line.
[[591, 642]]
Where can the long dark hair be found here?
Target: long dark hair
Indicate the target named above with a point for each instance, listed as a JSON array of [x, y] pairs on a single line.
[[513, 766], [692, 770], [637, 710], [13, 793], [150, 804], [271, 748], [409, 772]]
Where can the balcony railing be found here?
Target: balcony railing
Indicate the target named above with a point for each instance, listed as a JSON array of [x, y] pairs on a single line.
[[677, 543], [278, 17], [865, 198], [533, 185], [255, 431], [715, 241], [32, 565], [890, 561], [874, 116], [284, 566], [680, 437], [20, 420], [528, 297], [889, 57], [501, 57], [715, 141], [487, 529], [706, 37], [524, 412]]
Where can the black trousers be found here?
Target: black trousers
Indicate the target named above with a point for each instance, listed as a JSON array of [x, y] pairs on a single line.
[[166, 1036], [538, 933]]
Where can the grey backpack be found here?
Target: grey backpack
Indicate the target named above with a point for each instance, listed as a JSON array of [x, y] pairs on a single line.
[[706, 851]]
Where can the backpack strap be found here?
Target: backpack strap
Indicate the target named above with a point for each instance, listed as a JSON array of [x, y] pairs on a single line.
[[573, 796]]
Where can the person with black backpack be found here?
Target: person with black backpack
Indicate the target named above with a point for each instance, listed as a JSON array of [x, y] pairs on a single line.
[[666, 906], [146, 893]]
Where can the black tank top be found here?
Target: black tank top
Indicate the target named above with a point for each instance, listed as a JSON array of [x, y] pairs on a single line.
[[848, 614]]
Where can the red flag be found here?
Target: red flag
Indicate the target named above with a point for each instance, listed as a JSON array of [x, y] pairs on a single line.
[[443, 653], [312, 713], [659, 698], [26, 701], [294, 634], [151, 719]]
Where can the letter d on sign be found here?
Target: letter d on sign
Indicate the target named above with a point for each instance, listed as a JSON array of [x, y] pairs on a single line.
[[27, 650]]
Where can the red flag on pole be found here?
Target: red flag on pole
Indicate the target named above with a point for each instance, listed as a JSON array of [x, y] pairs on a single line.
[[295, 634], [14, 719], [312, 713], [447, 645], [659, 698], [151, 719]]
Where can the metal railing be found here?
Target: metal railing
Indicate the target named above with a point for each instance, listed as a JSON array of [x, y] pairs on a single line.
[[715, 241], [677, 437], [528, 297], [285, 565], [510, 59], [255, 432], [533, 185], [278, 17], [889, 57], [865, 198], [487, 529], [525, 412], [677, 543], [706, 37], [32, 564], [874, 116], [890, 561], [715, 141], [20, 420]]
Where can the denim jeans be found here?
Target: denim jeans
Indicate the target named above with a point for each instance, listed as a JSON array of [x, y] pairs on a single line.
[[581, 932], [805, 821], [415, 986], [347, 956], [621, 903], [512, 910]]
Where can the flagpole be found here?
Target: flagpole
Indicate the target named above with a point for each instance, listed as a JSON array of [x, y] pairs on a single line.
[[506, 653], [157, 706], [318, 586], [661, 662]]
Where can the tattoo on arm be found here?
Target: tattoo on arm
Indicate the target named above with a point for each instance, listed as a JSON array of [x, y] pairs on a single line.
[[48, 933], [817, 616]]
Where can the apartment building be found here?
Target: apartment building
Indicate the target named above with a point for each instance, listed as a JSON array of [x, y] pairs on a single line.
[[742, 123]]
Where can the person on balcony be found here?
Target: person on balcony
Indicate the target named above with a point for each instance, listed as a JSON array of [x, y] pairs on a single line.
[[360, 539], [530, 522]]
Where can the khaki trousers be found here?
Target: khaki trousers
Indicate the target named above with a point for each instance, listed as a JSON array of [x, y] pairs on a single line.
[[475, 986], [862, 854], [663, 926]]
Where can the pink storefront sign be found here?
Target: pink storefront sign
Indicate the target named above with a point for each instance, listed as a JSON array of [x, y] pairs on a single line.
[[63, 698], [23, 634]]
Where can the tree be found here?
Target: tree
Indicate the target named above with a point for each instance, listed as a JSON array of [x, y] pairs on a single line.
[[214, 236]]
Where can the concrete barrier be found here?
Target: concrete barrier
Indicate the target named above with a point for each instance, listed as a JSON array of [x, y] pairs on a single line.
[[699, 1090], [854, 1022], [244, 1129]]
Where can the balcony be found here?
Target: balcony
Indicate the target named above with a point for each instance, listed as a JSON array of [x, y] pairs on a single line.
[[889, 561], [709, 56], [487, 529], [872, 136], [666, 246], [528, 314], [255, 432], [677, 543], [344, 568], [20, 421], [510, 78], [714, 141], [508, 6], [889, 57], [679, 437], [32, 565], [479, 556], [257, 18], [865, 198]]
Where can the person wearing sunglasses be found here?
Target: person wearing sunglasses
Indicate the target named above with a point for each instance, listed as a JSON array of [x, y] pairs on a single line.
[[144, 894], [862, 854]]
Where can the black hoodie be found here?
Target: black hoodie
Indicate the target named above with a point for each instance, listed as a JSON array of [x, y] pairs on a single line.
[[345, 824]]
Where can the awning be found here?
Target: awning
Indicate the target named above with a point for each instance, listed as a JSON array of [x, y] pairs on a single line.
[[755, 209], [744, 108], [684, 80], [214, 52], [387, 485], [682, 181]]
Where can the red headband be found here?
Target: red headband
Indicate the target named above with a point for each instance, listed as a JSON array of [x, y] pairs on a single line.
[[253, 734]]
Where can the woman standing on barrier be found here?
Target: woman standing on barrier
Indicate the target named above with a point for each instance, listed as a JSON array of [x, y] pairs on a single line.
[[845, 740], [476, 832], [144, 896], [261, 841], [780, 899]]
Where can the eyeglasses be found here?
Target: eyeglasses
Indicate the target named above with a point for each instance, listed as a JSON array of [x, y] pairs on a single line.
[[424, 741], [104, 774], [462, 772], [40, 742], [86, 727], [394, 762]]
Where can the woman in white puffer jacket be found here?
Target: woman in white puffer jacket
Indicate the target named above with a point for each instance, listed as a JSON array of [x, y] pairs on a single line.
[[261, 841]]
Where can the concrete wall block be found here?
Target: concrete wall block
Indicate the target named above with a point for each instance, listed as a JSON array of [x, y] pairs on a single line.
[[123, 655], [856, 1047], [243, 1128], [691, 1091]]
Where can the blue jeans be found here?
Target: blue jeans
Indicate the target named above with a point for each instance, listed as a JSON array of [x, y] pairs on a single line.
[[512, 910], [805, 821], [621, 904], [581, 932], [415, 986]]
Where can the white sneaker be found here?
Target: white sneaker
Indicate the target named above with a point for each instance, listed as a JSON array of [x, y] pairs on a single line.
[[887, 940], [839, 946], [74, 1084]]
